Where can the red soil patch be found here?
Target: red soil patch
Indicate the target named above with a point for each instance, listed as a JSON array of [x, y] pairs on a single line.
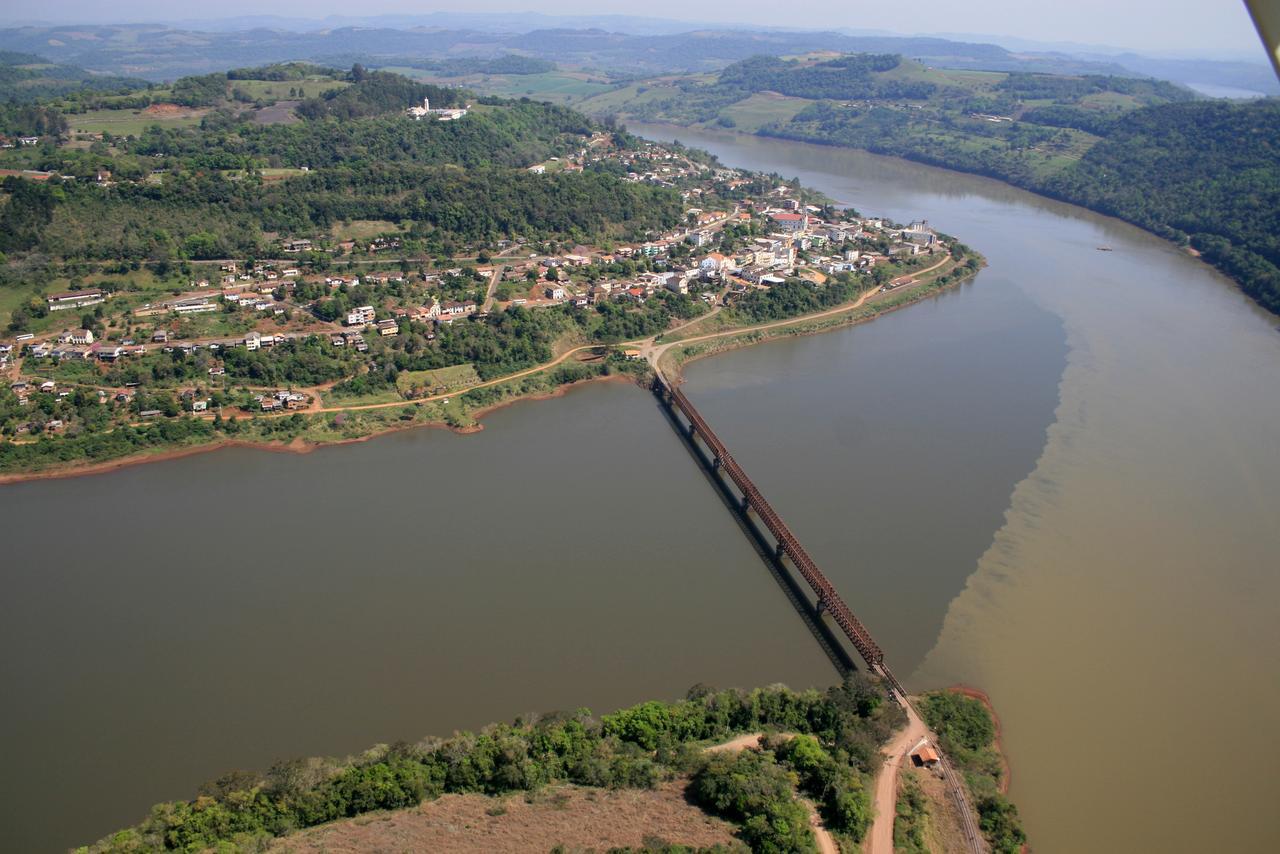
[[167, 110], [577, 818]]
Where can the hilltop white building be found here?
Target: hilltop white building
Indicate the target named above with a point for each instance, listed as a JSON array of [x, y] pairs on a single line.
[[442, 114]]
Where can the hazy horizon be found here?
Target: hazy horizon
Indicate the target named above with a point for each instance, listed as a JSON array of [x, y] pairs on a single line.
[[1184, 27]]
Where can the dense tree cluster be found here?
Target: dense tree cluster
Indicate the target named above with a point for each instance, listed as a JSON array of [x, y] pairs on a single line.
[[1032, 87], [518, 134], [31, 120], [209, 215], [851, 76], [795, 297]]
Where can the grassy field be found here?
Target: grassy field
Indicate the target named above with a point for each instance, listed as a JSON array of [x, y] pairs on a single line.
[[551, 86], [277, 90], [362, 229], [331, 399], [622, 98], [439, 380], [762, 108], [11, 298], [131, 122]]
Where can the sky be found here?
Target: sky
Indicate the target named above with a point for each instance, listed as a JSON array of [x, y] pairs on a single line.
[[1202, 27]]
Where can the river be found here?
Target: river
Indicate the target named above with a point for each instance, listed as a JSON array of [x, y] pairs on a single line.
[[1123, 615], [1052, 483]]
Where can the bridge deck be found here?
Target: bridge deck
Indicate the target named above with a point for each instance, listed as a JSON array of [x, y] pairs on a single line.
[[828, 598]]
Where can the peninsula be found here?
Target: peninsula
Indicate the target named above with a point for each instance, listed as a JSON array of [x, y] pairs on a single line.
[[722, 770]]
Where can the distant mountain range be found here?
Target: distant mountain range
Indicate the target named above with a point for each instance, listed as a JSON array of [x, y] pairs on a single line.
[[621, 45]]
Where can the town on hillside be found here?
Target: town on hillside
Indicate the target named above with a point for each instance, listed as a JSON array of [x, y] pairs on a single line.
[[333, 316]]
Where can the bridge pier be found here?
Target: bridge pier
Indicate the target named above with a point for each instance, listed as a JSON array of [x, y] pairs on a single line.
[[778, 551], [745, 503], [821, 606], [716, 463]]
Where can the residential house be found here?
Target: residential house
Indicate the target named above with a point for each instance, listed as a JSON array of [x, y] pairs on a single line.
[[453, 308], [361, 316]]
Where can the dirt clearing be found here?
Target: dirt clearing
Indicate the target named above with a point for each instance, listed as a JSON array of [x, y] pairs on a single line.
[[574, 817]]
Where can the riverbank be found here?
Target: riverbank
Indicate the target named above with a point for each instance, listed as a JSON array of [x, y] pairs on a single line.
[[300, 444], [1006, 771], [463, 411], [674, 357]]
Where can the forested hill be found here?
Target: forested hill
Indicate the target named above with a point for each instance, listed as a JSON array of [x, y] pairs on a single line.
[[230, 186], [25, 77], [1207, 172]]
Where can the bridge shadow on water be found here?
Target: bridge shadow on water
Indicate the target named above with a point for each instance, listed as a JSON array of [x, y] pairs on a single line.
[[830, 643]]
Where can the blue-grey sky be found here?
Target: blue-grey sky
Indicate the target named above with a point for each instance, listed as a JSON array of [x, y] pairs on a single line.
[[1204, 27]]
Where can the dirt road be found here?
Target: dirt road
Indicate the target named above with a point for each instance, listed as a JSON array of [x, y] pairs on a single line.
[[885, 796]]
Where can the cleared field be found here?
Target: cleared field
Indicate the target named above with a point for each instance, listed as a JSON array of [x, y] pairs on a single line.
[[567, 816], [276, 90], [133, 122], [762, 108], [551, 86], [623, 98], [363, 229], [438, 380], [11, 298]]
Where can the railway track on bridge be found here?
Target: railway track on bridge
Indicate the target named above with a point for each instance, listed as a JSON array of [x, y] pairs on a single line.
[[828, 598]]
